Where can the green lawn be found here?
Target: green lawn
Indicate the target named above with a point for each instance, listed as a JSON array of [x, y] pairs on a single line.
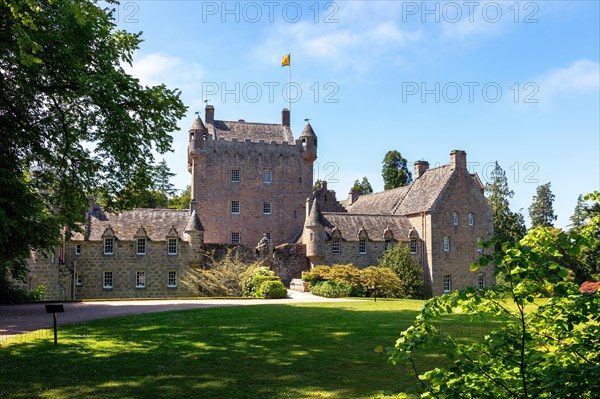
[[267, 351]]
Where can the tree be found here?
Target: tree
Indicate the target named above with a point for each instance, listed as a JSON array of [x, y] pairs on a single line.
[[162, 179], [399, 259], [363, 187], [181, 201], [509, 226], [547, 349], [317, 185], [541, 211], [395, 172], [72, 120]]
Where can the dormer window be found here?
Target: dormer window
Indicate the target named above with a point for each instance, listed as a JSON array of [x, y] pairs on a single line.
[[109, 245], [172, 246], [141, 246], [362, 246]]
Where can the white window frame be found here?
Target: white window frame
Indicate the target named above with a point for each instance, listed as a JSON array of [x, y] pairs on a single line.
[[77, 249], [414, 246], [481, 281], [362, 246], [267, 208], [447, 281], [109, 249], [235, 207], [235, 175], [236, 237], [141, 246], [335, 246], [171, 246], [107, 279], [78, 280], [479, 247], [446, 244], [140, 279], [267, 176], [455, 218], [471, 219], [172, 278]]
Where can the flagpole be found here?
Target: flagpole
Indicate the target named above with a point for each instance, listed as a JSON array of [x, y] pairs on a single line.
[[290, 84]]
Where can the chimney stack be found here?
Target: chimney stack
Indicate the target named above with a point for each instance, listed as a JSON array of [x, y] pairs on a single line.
[[353, 196], [209, 116], [420, 168], [285, 117], [458, 159]]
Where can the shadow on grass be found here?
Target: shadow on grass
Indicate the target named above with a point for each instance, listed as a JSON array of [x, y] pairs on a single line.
[[273, 351]]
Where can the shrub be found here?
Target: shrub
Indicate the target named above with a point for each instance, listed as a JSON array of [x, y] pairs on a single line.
[[37, 294], [331, 289], [381, 282], [399, 259], [339, 273], [272, 289], [253, 280]]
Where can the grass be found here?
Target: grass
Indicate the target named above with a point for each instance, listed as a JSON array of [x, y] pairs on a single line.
[[267, 351]]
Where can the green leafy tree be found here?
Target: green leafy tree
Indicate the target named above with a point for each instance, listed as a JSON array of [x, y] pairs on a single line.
[[363, 187], [181, 201], [509, 226], [541, 211], [73, 121], [381, 282], [317, 185], [399, 260], [546, 349], [579, 214], [395, 171]]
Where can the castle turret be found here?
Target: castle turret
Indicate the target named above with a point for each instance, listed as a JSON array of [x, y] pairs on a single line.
[[314, 232], [198, 136], [195, 236], [309, 143]]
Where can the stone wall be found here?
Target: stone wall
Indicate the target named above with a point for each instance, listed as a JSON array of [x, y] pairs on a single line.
[[289, 261]]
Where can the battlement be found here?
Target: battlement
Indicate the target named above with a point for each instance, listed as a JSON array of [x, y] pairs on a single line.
[[235, 144]]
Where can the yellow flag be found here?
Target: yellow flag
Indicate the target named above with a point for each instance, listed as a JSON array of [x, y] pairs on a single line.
[[285, 61]]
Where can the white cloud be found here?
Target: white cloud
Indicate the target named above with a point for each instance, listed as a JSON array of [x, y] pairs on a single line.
[[580, 77]]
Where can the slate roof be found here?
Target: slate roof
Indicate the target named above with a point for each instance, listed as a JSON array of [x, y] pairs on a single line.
[[425, 190], [384, 202], [156, 222], [250, 130], [350, 223]]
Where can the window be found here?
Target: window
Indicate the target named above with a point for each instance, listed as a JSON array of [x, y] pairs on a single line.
[[335, 246], [172, 278], [362, 246], [235, 207], [235, 175], [78, 249], [479, 247], [447, 283], [455, 218], [141, 246], [266, 208], [471, 219], [78, 280], [235, 237], [481, 281], [268, 236], [267, 177], [140, 279], [107, 280], [388, 243], [109, 245], [172, 246], [414, 246], [446, 244]]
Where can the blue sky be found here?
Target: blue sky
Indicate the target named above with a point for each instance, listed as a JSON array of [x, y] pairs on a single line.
[[507, 81]]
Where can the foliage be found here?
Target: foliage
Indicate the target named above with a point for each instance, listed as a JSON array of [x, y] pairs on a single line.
[[224, 275], [544, 349], [272, 289], [541, 211], [363, 187], [317, 185], [73, 121], [11, 293], [395, 172], [400, 261], [331, 289], [181, 201], [380, 282], [586, 219], [509, 227], [253, 279]]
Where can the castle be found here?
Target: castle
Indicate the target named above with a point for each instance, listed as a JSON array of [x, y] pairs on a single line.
[[253, 180]]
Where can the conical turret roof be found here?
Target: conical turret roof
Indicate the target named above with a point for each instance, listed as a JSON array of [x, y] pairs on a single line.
[[308, 131], [314, 217], [194, 223], [198, 125]]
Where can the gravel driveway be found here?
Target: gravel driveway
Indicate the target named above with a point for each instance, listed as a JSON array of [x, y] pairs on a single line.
[[19, 319]]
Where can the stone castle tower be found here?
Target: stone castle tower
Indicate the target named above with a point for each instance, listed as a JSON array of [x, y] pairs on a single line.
[[250, 178]]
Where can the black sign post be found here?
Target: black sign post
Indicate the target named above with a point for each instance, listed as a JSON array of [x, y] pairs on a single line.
[[54, 309]]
